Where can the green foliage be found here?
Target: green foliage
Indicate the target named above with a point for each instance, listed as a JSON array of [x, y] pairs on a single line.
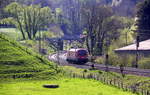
[[113, 59], [29, 19], [100, 60], [143, 21], [144, 63], [103, 28], [116, 60], [124, 35], [98, 24], [47, 34], [29, 43]]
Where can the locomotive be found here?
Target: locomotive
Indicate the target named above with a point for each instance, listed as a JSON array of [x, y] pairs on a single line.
[[78, 55]]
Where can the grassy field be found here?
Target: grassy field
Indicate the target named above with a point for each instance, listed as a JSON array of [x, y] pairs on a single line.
[[15, 33], [66, 87]]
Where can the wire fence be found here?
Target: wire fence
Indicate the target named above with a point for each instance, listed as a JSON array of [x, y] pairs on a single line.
[[112, 82]]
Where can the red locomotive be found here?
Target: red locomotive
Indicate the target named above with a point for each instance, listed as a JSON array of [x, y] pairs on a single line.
[[79, 55]]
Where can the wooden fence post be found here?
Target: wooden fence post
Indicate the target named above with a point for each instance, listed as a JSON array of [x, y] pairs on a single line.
[[110, 82], [118, 84], [104, 79], [148, 93], [114, 82], [126, 88], [83, 75], [122, 85]]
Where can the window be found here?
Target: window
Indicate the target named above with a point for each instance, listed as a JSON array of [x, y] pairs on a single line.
[[82, 52]]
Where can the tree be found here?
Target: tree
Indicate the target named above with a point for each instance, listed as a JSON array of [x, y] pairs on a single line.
[[71, 17], [102, 27], [143, 21], [29, 19], [3, 3]]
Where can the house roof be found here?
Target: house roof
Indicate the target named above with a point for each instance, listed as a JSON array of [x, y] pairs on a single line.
[[143, 46]]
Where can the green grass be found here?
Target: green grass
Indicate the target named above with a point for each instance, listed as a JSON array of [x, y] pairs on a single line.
[[66, 87], [15, 33], [16, 61], [12, 32]]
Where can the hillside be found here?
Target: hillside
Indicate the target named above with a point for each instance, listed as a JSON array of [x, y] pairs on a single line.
[[17, 61]]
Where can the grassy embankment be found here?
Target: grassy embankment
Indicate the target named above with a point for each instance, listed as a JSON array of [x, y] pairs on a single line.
[[17, 61]]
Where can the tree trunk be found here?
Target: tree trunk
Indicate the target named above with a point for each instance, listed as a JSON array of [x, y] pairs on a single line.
[[29, 25], [20, 26], [87, 44], [21, 29]]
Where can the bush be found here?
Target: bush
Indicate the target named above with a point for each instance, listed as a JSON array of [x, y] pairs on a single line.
[[100, 60], [117, 60], [114, 59], [30, 43], [144, 63]]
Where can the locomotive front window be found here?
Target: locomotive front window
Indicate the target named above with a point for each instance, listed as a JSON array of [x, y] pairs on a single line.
[[82, 52]]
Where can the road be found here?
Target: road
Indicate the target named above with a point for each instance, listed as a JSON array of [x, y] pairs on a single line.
[[126, 70]]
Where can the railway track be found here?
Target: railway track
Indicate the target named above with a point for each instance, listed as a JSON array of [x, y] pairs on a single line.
[[126, 70]]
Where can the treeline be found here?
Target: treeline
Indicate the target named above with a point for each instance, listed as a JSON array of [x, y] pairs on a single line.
[[143, 20], [97, 22]]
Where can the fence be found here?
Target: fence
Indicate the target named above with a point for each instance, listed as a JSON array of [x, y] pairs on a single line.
[[112, 82]]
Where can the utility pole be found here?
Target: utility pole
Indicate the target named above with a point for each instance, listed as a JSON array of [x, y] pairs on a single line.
[[58, 48], [39, 41], [106, 62], [137, 45], [126, 37], [107, 56]]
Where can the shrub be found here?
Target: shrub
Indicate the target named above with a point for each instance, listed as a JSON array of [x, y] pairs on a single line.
[[117, 60], [144, 63], [100, 60], [114, 59], [30, 43]]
